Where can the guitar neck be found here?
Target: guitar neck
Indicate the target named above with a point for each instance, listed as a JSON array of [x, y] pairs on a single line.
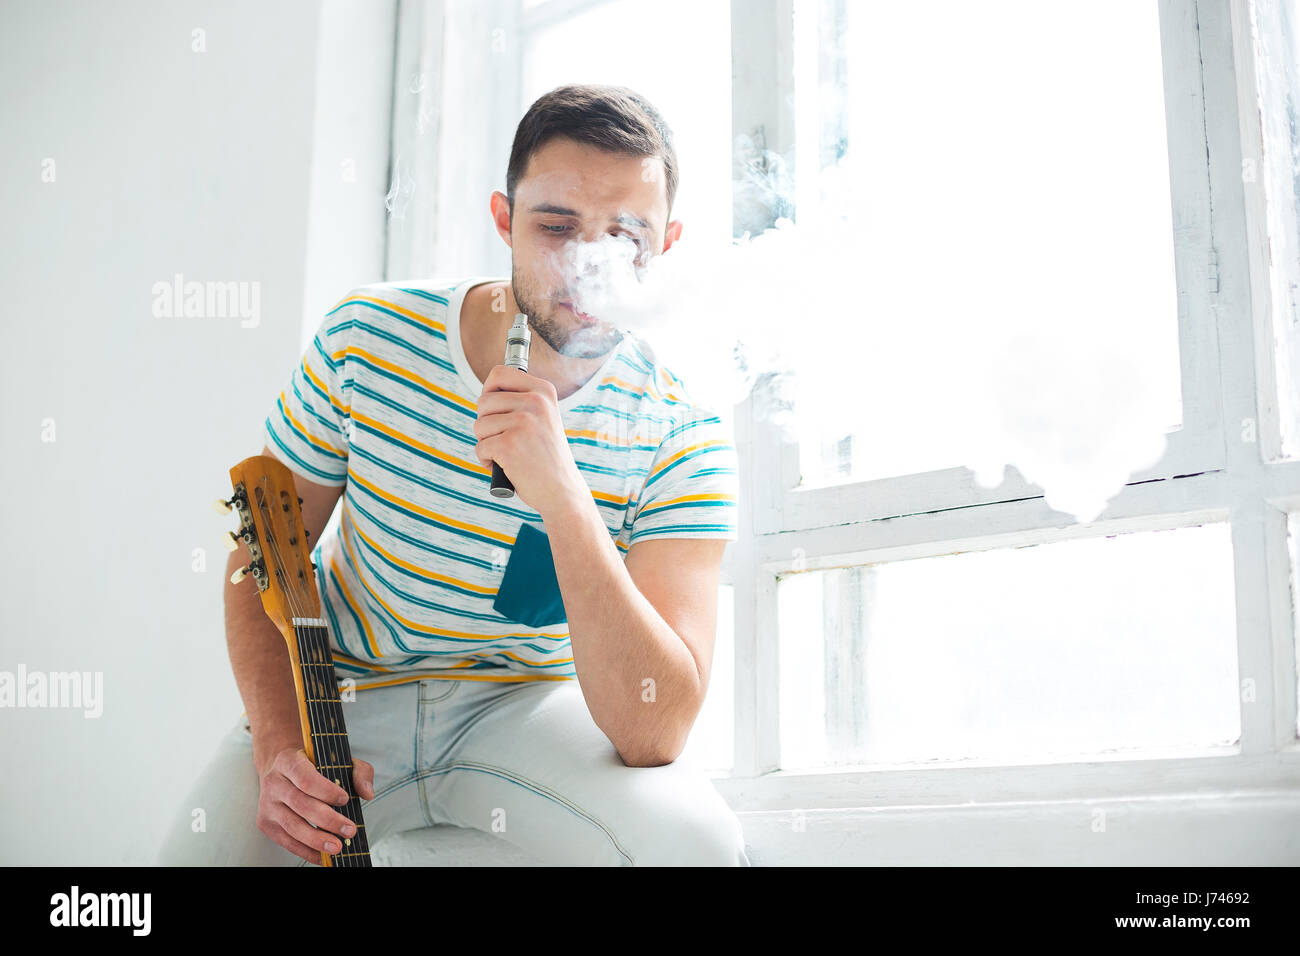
[[325, 734]]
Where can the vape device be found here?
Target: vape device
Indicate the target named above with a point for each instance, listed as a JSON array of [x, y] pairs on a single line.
[[517, 340]]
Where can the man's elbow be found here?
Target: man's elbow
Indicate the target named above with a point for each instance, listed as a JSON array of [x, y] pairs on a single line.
[[653, 754], [649, 759], [663, 742]]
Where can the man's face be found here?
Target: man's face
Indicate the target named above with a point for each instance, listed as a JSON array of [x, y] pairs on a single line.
[[574, 193]]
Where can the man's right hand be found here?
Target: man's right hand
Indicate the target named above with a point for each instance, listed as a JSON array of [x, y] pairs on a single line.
[[297, 806]]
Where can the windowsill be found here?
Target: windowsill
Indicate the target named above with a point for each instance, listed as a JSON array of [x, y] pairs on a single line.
[[1010, 763], [1204, 771]]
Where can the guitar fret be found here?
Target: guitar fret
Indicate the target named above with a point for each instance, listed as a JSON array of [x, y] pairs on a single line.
[[319, 682]]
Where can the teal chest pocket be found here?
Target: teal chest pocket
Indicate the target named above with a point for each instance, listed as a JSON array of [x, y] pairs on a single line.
[[529, 592]]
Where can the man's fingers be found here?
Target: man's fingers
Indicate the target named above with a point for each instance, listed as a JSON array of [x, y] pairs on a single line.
[[490, 425], [484, 450], [318, 814], [279, 835], [509, 379], [363, 775], [297, 807], [504, 379], [499, 402], [299, 830], [304, 775]]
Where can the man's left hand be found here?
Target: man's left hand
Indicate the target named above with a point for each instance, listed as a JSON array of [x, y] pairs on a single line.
[[519, 428]]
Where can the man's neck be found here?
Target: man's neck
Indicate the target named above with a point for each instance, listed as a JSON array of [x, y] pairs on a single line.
[[483, 339]]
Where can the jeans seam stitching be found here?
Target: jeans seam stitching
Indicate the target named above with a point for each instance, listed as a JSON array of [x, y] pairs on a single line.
[[536, 787], [455, 686], [419, 746], [388, 790], [419, 758]]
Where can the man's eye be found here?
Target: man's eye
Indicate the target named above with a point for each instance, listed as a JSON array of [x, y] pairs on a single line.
[[554, 230]]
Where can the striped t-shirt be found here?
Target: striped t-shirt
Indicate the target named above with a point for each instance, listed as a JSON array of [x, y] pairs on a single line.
[[384, 405]]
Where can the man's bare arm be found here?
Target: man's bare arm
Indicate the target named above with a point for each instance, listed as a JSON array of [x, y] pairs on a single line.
[[652, 617]]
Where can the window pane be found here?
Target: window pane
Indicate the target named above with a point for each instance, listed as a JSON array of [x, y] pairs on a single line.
[[632, 44], [1007, 166], [711, 742], [1277, 61], [1122, 645]]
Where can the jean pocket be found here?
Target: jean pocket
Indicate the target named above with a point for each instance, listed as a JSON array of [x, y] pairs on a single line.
[[530, 593]]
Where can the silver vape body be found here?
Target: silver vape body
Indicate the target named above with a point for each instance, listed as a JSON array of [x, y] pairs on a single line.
[[517, 340]]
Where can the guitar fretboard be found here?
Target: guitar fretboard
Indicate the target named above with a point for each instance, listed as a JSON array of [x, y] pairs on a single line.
[[329, 734]]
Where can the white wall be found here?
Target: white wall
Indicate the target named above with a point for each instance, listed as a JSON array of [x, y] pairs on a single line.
[[166, 161], [347, 217]]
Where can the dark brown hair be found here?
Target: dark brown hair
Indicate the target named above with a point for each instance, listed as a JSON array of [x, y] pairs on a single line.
[[611, 118]]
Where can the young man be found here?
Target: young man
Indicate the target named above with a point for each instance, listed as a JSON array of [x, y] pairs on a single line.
[[531, 666]]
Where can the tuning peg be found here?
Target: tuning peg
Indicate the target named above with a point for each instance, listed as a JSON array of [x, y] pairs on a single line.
[[300, 499], [256, 568], [229, 540], [221, 506]]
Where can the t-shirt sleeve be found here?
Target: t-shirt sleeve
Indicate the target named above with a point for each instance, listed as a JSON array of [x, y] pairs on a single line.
[[309, 422], [693, 485]]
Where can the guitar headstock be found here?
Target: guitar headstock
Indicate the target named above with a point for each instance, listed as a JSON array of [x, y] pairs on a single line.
[[271, 528]]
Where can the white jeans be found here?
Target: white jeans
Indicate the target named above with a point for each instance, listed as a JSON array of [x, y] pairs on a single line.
[[522, 761]]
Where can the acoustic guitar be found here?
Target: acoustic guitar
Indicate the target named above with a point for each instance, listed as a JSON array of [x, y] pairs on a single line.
[[270, 526]]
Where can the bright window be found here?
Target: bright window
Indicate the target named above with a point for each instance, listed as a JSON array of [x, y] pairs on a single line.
[[643, 47], [1004, 164], [1118, 645]]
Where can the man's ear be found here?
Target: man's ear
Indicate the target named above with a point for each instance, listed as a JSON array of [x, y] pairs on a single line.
[[672, 233], [500, 206]]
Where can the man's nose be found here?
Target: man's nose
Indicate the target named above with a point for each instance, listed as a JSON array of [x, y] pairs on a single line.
[[595, 257]]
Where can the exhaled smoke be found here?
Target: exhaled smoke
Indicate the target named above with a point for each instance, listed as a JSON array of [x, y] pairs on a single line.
[[881, 321]]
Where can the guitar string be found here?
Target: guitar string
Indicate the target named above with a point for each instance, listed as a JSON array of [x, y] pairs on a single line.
[[333, 747], [294, 609], [337, 744], [362, 837], [326, 748], [361, 841], [316, 709]]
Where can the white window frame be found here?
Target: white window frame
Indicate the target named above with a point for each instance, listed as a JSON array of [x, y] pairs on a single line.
[[1210, 473]]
